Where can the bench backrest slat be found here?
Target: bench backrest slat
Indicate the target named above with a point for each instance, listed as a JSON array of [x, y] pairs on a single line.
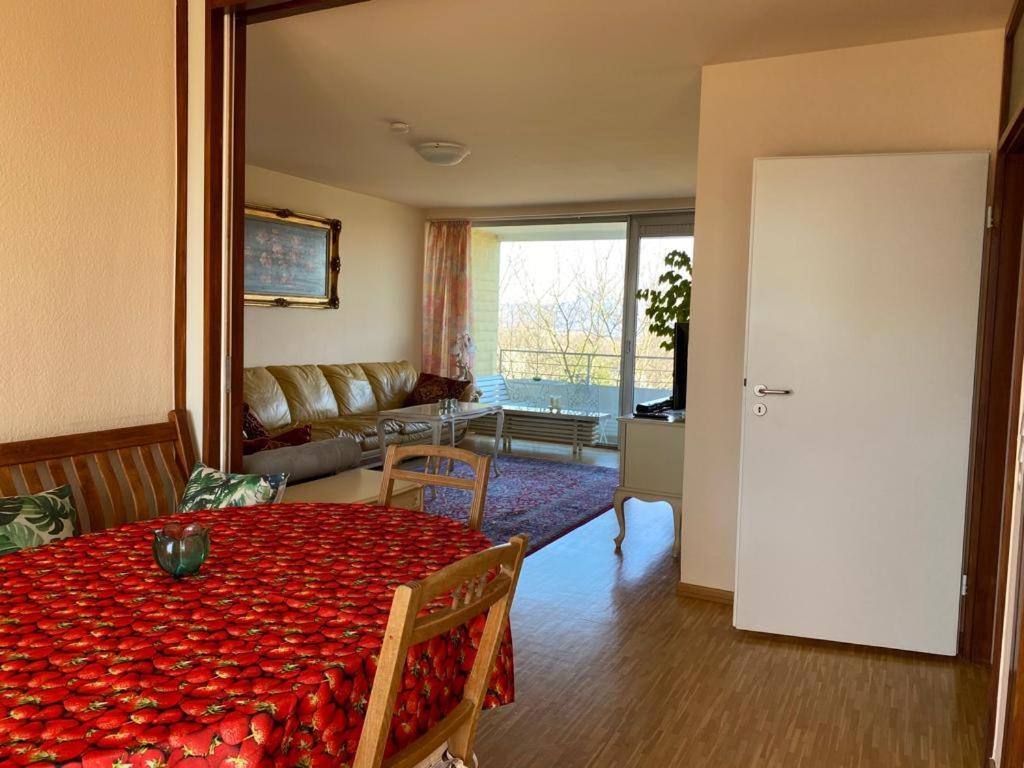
[[493, 389], [117, 476]]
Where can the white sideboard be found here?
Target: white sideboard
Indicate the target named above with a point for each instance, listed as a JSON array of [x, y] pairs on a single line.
[[650, 468]]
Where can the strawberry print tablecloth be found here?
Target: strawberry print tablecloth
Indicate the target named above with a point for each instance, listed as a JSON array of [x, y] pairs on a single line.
[[265, 658]]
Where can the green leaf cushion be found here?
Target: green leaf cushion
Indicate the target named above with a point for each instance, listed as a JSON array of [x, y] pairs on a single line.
[[208, 488], [28, 521]]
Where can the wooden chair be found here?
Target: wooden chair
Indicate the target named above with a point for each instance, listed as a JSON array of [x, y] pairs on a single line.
[[413, 621], [481, 466], [117, 476]]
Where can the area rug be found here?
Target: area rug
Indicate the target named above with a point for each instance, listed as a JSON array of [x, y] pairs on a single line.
[[543, 499]]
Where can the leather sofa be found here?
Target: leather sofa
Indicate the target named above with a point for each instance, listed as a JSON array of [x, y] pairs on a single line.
[[339, 400]]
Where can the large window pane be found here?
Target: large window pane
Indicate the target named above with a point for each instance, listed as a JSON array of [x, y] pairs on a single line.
[[556, 334], [653, 369]]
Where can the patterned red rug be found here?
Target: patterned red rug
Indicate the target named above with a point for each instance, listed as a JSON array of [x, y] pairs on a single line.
[[543, 499]]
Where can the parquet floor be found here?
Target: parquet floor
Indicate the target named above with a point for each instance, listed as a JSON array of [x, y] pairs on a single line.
[[613, 670]]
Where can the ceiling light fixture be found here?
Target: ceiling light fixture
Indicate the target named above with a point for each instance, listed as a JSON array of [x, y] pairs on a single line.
[[442, 152], [397, 126]]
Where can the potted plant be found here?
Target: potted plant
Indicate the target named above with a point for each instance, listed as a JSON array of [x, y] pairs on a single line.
[[669, 303]]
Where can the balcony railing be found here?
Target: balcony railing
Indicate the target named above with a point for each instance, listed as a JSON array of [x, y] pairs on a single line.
[[585, 381], [589, 368]]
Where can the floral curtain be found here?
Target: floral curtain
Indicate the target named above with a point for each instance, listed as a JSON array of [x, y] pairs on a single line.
[[446, 299]]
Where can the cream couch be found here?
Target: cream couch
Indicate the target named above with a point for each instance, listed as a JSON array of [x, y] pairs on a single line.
[[338, 400]]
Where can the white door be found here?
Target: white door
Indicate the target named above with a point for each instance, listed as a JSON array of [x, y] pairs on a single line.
[[863, 301]]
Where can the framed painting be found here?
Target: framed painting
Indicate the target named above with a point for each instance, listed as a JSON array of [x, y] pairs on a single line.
[[291, 259]]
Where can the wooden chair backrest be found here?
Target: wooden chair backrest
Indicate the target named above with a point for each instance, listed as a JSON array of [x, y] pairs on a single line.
[[484, 582], [481, 466], [117, 475]]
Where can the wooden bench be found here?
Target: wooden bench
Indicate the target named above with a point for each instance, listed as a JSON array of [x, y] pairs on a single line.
[[117, 476], [575, 428]]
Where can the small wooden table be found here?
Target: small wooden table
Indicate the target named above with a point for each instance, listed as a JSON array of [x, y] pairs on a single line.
[[354, 486]]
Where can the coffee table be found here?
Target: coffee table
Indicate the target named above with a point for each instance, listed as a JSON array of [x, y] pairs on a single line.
[[432, 415]]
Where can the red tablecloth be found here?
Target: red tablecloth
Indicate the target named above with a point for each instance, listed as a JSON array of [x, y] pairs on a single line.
[[265, 658]]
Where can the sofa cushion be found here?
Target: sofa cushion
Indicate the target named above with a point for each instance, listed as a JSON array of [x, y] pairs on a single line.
[[351, 388], [415, 428], [266, 398], [308, 394], [361, 424], [372, 442], [391, 382], [432, 389], [252, 427]]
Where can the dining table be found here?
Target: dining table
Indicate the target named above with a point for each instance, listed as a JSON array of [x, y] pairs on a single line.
[[265, 657]]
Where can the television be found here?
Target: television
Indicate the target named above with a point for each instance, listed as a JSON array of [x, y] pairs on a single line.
[[681, 342]]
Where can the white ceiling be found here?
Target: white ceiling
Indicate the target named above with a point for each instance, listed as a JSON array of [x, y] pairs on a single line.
[[559, 100]]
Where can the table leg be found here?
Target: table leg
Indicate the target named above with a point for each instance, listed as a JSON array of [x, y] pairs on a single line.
[[620, 513], [451, 462], [499, 425], [380, 438], [435, 437]]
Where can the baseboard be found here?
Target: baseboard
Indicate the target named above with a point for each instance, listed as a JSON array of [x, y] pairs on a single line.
[[709, 594]]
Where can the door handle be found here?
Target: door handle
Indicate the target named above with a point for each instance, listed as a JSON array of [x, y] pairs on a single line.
[[761, 390]]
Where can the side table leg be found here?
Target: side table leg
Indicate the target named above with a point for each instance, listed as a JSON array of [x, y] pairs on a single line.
[[620, 513], [499, 426]]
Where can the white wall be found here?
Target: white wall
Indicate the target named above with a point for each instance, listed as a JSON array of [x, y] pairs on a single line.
[[87, 183], [381, 284], [932, 94]]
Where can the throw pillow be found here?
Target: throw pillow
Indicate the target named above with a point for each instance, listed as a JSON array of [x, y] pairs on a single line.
[[431, 388], [252, 427], [209, 488], [28, 521], [298, 436], [257, 444]]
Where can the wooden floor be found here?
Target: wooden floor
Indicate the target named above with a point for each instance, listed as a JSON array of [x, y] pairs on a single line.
[[613, 670]]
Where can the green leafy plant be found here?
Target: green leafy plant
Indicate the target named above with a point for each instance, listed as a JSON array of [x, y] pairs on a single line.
[[669, 303]]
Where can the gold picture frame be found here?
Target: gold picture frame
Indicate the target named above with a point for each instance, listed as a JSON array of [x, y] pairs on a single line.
[[291, 259]]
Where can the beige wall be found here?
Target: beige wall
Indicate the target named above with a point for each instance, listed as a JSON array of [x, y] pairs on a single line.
[[933, 94], [380, 288], [87, 215], [485, 272]]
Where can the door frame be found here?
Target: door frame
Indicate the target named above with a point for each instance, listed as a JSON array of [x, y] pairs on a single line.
[[988, 450], [1006, 259], [224, 209]]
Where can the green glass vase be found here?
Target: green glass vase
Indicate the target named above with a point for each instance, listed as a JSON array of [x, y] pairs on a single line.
[[183, 554]]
